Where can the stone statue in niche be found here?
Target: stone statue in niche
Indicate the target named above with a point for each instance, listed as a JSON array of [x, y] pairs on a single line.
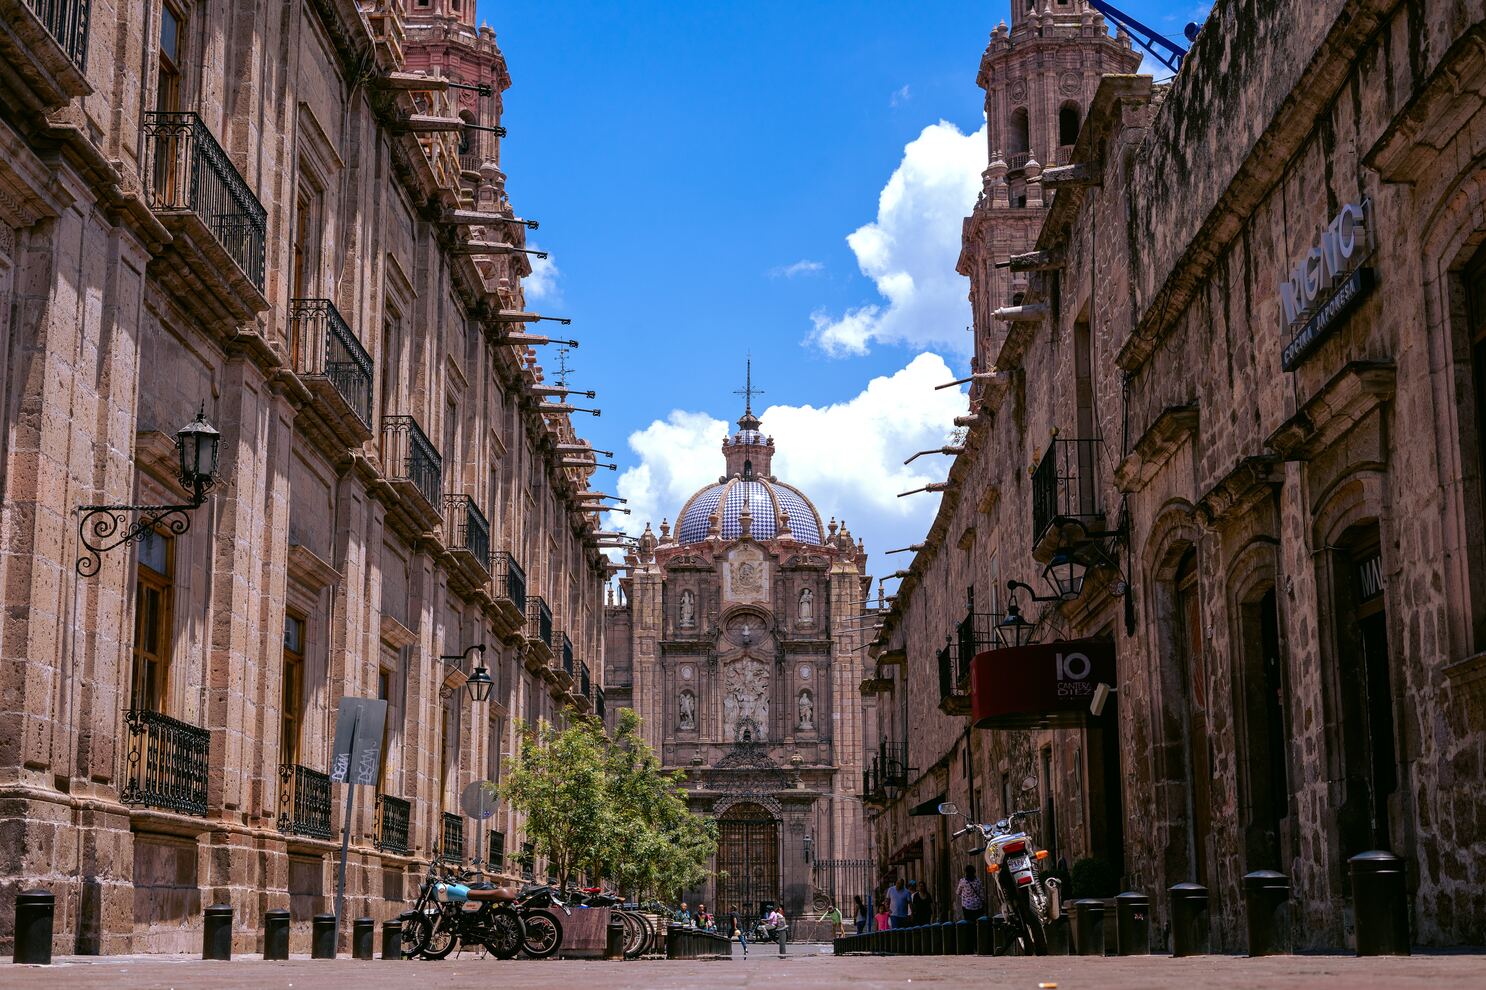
[[806, 707], [745, 697], [688, 710], [688, 610], [806, 611]]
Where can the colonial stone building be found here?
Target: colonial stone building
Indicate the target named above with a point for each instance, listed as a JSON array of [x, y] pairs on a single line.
[[292, 219], [739, 641], [1229, 429]]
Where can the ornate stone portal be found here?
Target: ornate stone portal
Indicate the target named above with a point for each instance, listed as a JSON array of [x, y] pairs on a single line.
[[745, 700]]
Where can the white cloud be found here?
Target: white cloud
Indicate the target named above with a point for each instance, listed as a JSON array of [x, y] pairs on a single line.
[[802, 267], [900, 96], [910, 250], [847, 457], [541, 284]]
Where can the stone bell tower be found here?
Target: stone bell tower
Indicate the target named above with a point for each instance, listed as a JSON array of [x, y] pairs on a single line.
[[1039, 77]]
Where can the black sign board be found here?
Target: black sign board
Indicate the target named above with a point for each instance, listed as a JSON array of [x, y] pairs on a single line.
[[1326, 317]]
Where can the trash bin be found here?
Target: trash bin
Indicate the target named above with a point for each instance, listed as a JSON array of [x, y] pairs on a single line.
[[1266, 911], [1381, 900], [1088, 927], [1133, 924]]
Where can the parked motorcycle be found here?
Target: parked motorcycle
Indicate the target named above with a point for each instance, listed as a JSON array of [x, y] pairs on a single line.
[[539, 906], [1029, 900], [452, 909]]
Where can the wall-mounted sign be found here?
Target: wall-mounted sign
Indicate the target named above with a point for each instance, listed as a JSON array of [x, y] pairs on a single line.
[[1326, 283], [1044, 684]]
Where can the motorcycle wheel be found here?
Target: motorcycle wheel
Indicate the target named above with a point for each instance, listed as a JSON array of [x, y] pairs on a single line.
[[442, 937], [1034, 938], [543, 935], [646, 938], [505, 934], [416, 930]]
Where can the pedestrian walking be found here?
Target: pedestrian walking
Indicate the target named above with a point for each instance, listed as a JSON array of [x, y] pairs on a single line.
[[738, 931], [898, 898], [778, 928], [921, 906], [861, 917], [972, 895]]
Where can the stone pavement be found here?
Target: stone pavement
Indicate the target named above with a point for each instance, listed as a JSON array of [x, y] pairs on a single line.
[[800, 969]]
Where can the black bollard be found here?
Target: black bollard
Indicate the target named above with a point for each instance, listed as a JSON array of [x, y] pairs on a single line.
[[1003, 938], [1088, 927], [614, 938], [985, 936], [363, 935], [34, 911], [1133, 924], [276, 935], [949, 940], [964, 938], [1381, 900], [1056, 933], [1266, 909], [322, 936], [936, 939], [216, 932], [1190, 935], [392, 938], [673, 941]]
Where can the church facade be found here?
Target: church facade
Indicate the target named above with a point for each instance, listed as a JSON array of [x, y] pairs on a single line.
[[738, 638]]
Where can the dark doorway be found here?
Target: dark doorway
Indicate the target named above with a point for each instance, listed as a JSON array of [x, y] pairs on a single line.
[[747, 861], [1192, 658], [1068, 125], [1262, 703], [1106, 794], [1369, 760]]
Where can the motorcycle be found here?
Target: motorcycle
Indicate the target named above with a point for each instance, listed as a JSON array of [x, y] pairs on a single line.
[[452, 910], [1029, 900], [538, 905]]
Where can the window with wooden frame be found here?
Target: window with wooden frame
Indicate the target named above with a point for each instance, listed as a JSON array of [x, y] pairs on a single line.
[[153, 591], [291, 695], [171, 45], [384, 692]]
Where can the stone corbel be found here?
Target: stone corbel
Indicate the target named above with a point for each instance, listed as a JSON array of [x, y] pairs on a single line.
[[1353, 392], [1238, 489], [1453, 94], [1157, 445], [309, 570]]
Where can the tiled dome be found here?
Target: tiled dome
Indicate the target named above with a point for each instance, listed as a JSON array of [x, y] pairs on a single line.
[[765, 500]]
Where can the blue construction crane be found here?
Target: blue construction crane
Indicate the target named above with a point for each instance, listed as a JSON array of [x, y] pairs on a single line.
[[1162, 49]]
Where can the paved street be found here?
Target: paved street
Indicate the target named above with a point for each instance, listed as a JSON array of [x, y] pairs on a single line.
[[800, 969]]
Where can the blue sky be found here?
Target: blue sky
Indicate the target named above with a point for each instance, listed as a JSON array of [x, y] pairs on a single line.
[[697, 169]]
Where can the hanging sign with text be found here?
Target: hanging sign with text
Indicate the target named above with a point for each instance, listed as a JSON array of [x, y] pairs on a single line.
[[1326, 283], [358, 741], [1045, 684]]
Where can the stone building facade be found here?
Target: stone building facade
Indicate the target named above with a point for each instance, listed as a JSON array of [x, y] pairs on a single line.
[[739, 640], [1242, 395], [277, 215]]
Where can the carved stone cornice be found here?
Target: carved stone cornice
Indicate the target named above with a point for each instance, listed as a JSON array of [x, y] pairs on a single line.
[[1353, 392], [1155, 447], [1250, 479]]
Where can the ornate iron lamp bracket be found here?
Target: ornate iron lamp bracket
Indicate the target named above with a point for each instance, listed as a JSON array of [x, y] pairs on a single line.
[[101, 528]]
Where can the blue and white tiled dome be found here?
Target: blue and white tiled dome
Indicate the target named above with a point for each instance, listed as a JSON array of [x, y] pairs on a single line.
[[765, 499]]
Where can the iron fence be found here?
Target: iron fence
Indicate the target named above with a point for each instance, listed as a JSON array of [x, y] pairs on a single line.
[[393, 818], [451, 838], [324, 347], [67, 22], [839, 881], [468, 529], [304, 801], [508, 579], [188, 170], [410, 456], [167, 763], [538, 620]]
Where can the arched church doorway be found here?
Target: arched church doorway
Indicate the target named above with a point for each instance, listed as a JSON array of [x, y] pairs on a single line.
[[747, 860]]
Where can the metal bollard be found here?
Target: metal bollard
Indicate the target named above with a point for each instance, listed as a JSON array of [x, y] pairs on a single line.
[[34, 912], [392, 938], [1190, 935], [925, 940], [1133, 924], [216, 932], [964, 938], [363, 934], [322, 936], [276, 935], [985, 936], [949, 941], [1381, 900], [673, 939], [1002, 938], [936, 939], [614, 938], [1056, 933], [1088, 927], [1266, 909]]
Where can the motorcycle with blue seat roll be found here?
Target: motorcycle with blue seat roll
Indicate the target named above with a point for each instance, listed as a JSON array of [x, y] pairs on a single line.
[[456, 909]]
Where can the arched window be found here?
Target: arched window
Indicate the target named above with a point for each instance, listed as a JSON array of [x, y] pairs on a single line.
[[1016, 139], [747, 470], [1068, 124], [466, 136]]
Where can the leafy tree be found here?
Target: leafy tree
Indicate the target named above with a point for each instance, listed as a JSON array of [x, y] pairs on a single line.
[[558, 780]]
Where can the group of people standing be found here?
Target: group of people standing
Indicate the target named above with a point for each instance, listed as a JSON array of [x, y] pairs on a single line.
[[908, 904], [772, 922]]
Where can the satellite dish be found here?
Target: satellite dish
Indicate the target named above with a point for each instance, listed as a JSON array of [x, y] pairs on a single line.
[[478, 799]]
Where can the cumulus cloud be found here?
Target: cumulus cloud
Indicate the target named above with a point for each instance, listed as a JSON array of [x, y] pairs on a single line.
[[910, 250], [541, 284], [900, 96], [846, 456], [802, 267]]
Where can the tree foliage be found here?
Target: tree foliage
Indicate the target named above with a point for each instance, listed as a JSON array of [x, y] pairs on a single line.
[[605, 805]]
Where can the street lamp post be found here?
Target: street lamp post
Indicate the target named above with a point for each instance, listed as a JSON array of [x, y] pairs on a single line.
[[478, 686], [101, 528]]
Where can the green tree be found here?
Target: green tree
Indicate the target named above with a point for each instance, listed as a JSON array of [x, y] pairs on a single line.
[[559, 780]]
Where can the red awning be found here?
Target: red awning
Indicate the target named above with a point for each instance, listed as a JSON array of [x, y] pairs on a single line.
[[1046, 684]]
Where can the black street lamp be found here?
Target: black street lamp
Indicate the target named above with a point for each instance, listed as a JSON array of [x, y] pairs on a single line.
[[479, 684], [101, 528], [1014, 629], [1065, 575]]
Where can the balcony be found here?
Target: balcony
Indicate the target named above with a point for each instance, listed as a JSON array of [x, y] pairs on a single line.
[[598, 702], [874, 791], [893, 763], [567, 655], [413, 467], [44, 51], [304, 802], [216, 222], [335, 367], [975, 633], [467, 534], [580, 694], [1063, 155], [385, 18], [1016, 161], [1065, 491], [393, 818], [451, 838], [167, 763], [538, 633], [952, 701], [508, 588]]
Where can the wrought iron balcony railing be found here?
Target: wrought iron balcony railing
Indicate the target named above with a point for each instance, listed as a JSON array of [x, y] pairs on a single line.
[[467, 529], [598, 702], [507, 579], [187, 170], [168, 762], [304, 801], [1065, 485], [975, 633], [451, 838], [538, 620], [948, 682], [67, 22], [393, 818], [323, 346], [584, 687], [893, 763], [409, 455], [567, 655]]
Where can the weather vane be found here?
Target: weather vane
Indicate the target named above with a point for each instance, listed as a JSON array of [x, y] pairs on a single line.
[[563, 370], [748, 391]]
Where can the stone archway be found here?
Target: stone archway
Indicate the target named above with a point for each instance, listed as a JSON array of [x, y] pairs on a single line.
[[747, 860]]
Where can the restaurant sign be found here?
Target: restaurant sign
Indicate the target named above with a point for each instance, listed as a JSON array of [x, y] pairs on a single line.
[[1326, 283], [1025, 687]]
